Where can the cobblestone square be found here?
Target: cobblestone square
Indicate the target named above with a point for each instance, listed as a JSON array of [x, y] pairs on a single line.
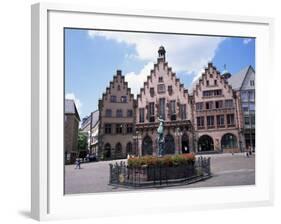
[[227, 170]]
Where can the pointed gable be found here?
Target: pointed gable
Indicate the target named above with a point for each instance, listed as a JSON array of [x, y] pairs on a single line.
[[211, 79]]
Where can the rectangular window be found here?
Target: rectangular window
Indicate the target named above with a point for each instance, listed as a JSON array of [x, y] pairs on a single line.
[[123, 99], [161, 88], [199, 106], [210, 121], [119, 113], [129, 113], [252, 106], [107, 128], [160, 79], [151, 112], [162, 108], [252, 95], [245, 107], [119, 128], [209, 105], [230, 120], [173, 110], [219, 104], [183, 111], [252, 82], [141, 115], [208, 93], [200, 122], [244, 96], [170, 90], [228, 103], [113, 99], [246, 120], [207, 82], [217, 92], [220, 120], [108, 113], [151, 90], [215, 82], [129, 128], [253, 120]]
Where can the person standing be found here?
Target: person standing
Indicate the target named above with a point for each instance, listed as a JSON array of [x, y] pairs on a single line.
[[78, 163]]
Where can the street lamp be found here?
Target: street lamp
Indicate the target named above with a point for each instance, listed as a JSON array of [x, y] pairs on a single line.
[[178, 134]]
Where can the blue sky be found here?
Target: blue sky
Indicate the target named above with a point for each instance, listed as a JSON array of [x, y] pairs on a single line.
[[92, 58]]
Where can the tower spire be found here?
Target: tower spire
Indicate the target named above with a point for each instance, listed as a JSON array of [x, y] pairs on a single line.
[[162, 53]]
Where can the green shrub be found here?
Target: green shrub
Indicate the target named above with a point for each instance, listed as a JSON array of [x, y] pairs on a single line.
[[168, 160]]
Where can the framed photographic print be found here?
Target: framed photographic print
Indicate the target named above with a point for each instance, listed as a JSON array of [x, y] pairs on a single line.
[[148, 106]]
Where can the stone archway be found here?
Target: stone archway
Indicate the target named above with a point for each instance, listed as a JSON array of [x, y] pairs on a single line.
[[129, 148], [169, 147], [205, 144], [118, 150], [147, 146], [107, 151], [228, 141], [185, 143]]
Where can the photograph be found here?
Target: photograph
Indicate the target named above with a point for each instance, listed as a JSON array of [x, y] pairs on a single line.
[[154, 110]]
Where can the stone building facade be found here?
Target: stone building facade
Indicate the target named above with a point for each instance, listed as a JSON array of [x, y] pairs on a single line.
[[216, 114], [116, 120], [207, 118], [71, 124], [163, 96]]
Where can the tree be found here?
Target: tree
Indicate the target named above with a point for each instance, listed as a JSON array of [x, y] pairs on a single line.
[[82, 141]]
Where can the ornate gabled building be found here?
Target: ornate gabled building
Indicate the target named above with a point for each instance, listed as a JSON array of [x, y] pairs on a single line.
[[216, 114], [206, 119], [163, 96], [116, 120]]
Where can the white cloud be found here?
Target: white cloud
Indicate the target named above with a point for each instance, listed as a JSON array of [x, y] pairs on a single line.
[[247, 40], [71, 96], [136, 80], [184, 53]]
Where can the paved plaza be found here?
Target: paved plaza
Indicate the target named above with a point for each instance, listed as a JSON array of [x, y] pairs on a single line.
[[227, 170]]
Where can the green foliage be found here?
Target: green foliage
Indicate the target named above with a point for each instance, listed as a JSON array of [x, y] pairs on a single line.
[[168, 160], [82, 141]]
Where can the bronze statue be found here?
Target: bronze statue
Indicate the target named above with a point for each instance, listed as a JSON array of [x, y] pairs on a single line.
[[160, 131]]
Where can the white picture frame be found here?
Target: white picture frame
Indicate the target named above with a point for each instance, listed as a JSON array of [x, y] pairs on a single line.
[[48, 201]]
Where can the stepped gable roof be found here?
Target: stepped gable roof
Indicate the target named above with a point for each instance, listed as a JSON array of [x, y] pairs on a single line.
[[111, 84], [169, 69]]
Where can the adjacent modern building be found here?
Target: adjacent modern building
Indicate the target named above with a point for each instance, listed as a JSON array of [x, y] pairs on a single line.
[[216, 115], [71, 125]]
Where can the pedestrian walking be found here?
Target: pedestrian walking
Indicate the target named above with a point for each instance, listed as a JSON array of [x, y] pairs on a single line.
[[78, 163]]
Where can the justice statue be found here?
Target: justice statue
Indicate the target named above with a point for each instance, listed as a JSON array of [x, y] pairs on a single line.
[[160, 132]]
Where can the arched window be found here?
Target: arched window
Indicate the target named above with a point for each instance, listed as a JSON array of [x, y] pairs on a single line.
[[228, 141], [147, 146], [129, 148], [205, 143], [185, 143], [118, 150], [107, 151], [169, 144]]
